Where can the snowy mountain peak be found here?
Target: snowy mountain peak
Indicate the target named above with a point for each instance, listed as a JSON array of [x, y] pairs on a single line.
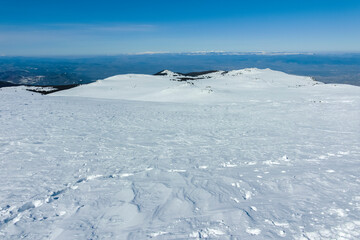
[[167, 73], [212, 73], [190, 74]]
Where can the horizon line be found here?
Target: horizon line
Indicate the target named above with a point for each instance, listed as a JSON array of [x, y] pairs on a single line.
[[195, 53]]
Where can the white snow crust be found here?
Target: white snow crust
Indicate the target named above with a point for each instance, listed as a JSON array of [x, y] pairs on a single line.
[[246, 154]]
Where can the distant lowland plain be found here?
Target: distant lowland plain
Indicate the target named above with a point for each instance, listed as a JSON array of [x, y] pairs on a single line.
[[342, 68]]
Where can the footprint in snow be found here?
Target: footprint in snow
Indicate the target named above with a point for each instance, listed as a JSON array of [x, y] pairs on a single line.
[[229, 165], [203, 167], [176, 170], [253, 208], [253, 231], [285, 158], [207, 233], [236, 184], [250, 163], [271, 163]]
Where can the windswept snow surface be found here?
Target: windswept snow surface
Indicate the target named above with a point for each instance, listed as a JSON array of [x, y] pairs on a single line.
[[247, 154]]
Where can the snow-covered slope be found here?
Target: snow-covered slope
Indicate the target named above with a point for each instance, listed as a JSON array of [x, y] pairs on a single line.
[[218, 86], [269, 156]]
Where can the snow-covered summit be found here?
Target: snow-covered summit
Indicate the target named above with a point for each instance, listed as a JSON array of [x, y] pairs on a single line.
[[209, 86], [167, 73]]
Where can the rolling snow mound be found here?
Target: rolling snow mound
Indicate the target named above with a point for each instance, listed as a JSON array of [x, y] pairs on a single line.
[[210, 86]]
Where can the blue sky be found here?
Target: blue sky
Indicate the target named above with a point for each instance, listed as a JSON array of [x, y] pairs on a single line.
[[79, 27]]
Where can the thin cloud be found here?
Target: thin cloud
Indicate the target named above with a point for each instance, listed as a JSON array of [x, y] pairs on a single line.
[[116, 28], [103, 27], [55, 32], [124, 28]]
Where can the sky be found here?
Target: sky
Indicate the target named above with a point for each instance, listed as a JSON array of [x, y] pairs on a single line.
[[109, 27]]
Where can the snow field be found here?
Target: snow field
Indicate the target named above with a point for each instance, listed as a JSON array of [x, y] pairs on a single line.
[[267, 162]]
